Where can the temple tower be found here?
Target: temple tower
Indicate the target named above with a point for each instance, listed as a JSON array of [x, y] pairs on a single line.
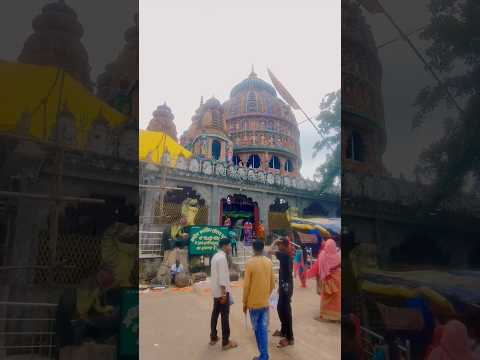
[[262, 127], [163, 121], [56, 41], [363, 124]]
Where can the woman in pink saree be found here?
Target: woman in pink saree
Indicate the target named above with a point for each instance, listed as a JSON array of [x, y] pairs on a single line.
[[454, 345], [327, 270], [299, 266]]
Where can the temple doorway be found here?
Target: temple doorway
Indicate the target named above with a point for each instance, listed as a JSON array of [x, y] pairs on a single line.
[[239, 209]]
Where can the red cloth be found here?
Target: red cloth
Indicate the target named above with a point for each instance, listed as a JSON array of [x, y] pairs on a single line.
[[329, 259], [313, 272], [358, 335], [437, 337]]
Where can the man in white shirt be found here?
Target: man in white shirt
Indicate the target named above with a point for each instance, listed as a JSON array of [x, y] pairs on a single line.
[[176, 268], [220, 282]]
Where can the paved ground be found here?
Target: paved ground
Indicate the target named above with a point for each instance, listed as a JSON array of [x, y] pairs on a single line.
[[175, 325]]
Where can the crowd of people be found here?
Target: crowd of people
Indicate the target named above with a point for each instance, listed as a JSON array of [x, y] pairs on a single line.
[[245, 230], [259, 284]]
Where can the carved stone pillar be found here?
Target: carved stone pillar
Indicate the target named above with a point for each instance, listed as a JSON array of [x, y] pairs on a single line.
[[282, 166], [265, 161], [214, 204], [244, 158], [223, 151], [209, 150]]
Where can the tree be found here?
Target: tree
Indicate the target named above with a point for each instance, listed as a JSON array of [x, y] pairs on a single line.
[[329, 125], [454, 33]]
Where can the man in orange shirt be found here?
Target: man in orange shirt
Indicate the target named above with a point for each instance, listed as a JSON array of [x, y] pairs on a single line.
[[260, 231], [257, 287]]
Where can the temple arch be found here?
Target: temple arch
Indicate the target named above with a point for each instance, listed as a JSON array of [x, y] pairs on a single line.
[[355, 147], [274, 163], [216, 149], [289, 166], [254, 161]]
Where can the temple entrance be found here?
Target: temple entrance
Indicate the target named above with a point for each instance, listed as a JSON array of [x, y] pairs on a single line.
[[240, 209]]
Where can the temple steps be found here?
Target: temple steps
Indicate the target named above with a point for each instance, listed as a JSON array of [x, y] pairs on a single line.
[[246, 252]]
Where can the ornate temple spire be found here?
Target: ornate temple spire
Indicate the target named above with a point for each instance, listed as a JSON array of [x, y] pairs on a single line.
[[56, 41], [163, 121], [121, 73]]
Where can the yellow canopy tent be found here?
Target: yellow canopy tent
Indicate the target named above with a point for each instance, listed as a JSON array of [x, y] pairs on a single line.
[[306, 227], [437, 301], [33, 93], [153, 144]]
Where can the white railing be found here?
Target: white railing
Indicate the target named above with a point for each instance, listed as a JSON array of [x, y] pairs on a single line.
[[30, 331], [372, 340], [150, 244]]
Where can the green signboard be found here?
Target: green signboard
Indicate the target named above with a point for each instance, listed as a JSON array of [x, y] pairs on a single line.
[[128, 339], [204, 239]]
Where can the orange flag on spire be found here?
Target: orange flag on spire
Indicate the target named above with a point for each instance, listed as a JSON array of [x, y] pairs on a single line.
[[283, 92]]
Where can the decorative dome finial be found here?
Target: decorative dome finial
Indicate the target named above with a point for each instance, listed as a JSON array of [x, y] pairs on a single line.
[[201, 100], [252, 73]]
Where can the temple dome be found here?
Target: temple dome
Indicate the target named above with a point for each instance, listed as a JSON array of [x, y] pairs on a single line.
[[253, 83], [213, 102], [255, 96], [163, 110]]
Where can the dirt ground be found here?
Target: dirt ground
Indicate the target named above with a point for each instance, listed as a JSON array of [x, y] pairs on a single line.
[[175, 325]]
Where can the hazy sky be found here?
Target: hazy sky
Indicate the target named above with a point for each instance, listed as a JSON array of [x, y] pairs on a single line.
[[192, 48], [403, 77]]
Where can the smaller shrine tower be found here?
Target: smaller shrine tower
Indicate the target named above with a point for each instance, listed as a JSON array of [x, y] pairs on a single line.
[[207, 136], [56, 41], [163, 121]]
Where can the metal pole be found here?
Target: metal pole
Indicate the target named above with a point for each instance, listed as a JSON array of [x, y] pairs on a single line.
[[164, 176], [316, 128], [57, 186], [399, 38], [422, 59]]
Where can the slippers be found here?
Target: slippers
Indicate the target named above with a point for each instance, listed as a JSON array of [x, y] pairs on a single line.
[[230, 345], [284, 343]]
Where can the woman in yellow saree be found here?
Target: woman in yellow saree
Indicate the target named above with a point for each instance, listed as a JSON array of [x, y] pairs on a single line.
[[327, 270]]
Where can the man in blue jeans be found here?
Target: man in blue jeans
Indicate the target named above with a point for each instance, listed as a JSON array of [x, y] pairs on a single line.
[[257, 287]]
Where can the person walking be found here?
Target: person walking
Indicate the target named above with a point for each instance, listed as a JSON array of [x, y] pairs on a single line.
[[328, 272], [220, 282], [281, 249], [247, 232], [260, 231], [258, 284], [233, 240], [299, 266]]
